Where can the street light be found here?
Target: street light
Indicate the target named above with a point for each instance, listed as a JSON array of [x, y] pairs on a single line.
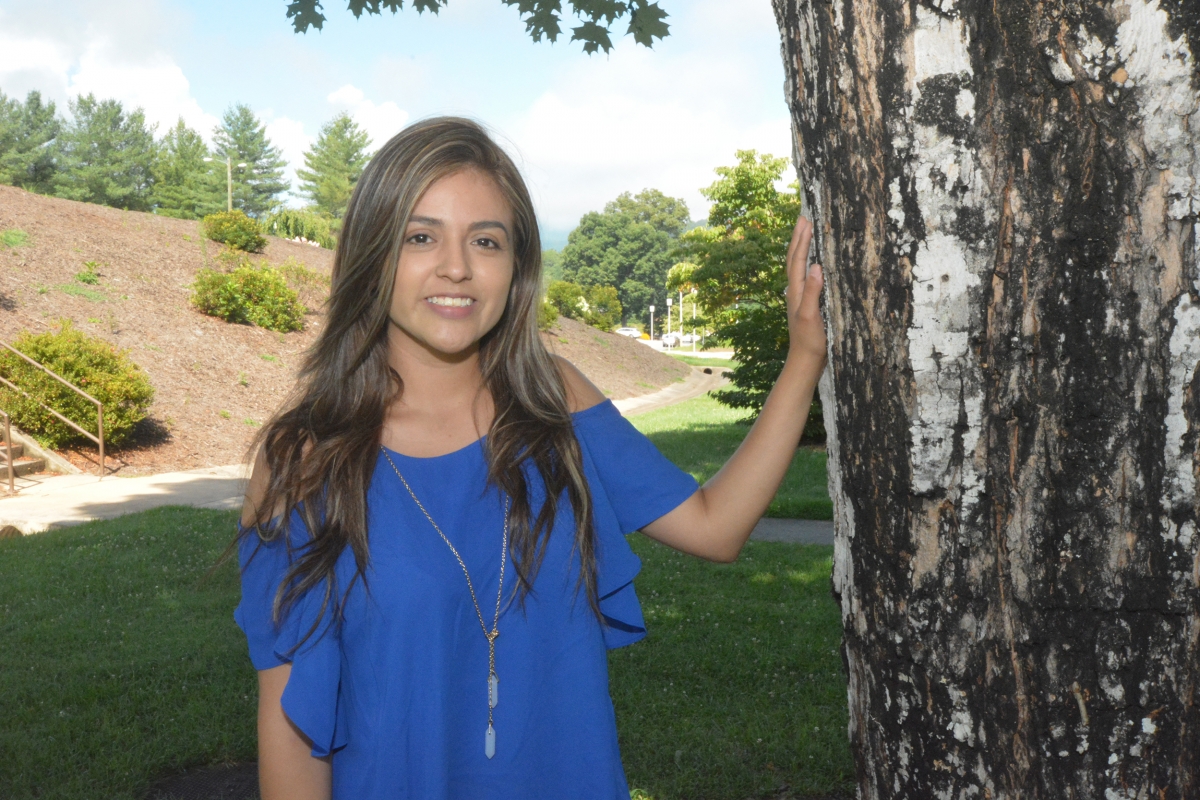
[[228, 180], [652, 323], [668, 316]]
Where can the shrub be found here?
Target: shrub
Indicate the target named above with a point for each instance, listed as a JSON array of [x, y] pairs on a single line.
[[235, 229], [89, 275], [94, 365], [567, 299], [255, 295], [295, 224], [603, 307], [597, 306], [547, 316]]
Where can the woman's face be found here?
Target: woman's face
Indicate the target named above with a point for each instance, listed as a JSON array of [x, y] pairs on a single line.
[[456, 266]]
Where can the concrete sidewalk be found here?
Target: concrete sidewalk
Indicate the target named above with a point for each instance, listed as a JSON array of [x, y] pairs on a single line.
[[695, 385], [63, 500], [60, 500]]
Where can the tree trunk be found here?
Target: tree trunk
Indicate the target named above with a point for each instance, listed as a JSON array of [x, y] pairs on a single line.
[[1006, 198]]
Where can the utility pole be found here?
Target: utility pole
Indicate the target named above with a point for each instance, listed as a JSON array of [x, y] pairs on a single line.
[[652, 323], [228, 179]]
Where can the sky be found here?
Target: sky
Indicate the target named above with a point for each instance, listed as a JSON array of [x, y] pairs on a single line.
[[582, 128]]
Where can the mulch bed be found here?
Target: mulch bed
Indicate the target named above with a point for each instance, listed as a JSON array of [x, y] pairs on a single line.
[[214, 382]]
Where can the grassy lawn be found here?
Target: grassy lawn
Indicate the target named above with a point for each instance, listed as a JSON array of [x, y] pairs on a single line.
[[700, 435], [117, 667], [700, 361]]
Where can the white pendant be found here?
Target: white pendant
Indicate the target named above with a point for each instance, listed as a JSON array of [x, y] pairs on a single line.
[[489, 742], [493, 690]]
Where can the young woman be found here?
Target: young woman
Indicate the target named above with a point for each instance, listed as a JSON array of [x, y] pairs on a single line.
[[433, 541]]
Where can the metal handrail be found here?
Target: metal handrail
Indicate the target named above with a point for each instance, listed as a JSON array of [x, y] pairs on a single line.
[[99, 406], [8, 456]]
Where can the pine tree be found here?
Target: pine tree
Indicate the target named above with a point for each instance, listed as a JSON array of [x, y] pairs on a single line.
[[28, 134], [184, 186], [334, 164], [107, 155], [243, 139]]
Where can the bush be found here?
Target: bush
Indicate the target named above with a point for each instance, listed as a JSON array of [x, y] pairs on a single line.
[[235, 229], [567, 299], [94, 365], [597, 306], [255, 295], [293, 224], [547, 316], [603, 307]]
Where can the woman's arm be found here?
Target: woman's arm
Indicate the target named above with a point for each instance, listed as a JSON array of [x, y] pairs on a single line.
[[287, 769], [716, 521]]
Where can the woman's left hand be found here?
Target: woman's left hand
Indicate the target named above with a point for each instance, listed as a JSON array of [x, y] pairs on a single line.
[[806, 329]]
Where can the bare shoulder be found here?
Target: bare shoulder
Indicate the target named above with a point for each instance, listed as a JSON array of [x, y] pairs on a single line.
[[581, 393], [256, 490]]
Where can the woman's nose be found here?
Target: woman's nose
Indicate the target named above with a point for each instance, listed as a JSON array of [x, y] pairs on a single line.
[[455, 265]]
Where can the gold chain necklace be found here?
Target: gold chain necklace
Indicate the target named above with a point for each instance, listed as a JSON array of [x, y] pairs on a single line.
[[489, 741]]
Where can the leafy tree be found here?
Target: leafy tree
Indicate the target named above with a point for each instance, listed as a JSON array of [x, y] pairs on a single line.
[[334, 164], [242, 138], [543, 18], [740, 273], [552, 268], [107, 155], [184, 186], [598, 306], [628, 245], [28, 134]]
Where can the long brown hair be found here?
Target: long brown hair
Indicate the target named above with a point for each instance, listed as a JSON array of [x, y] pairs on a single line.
[[322, 446]]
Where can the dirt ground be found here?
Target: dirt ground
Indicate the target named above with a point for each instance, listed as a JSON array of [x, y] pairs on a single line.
[[214, 382]]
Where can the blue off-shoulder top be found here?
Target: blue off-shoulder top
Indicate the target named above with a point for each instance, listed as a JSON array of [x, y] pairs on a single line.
[[398, 691]]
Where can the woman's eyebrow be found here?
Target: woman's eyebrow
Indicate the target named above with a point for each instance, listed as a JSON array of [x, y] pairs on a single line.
[[437, 223]]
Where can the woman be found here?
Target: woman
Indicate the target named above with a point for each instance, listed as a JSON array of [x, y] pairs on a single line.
[[432, 548]]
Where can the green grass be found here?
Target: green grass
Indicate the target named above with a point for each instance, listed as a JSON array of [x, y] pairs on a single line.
[[117, 667], [737, 692], [700, 361], [86, 292], [14, 238], [700, 435]]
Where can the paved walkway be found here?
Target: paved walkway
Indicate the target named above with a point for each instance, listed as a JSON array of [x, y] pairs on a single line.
[[54, 501], [695, 385], [62, 500]]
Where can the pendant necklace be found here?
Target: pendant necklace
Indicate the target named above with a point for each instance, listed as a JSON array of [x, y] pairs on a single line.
[[489, 741]]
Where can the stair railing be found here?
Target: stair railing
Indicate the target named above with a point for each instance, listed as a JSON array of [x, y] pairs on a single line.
[[8, 457], [99, 440]]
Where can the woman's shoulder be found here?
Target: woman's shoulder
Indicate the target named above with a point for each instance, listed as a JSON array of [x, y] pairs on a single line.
[[582, 394]]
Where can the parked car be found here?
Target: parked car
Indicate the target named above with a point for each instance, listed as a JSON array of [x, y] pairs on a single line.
[[688, 338], [632, 333], [670, 339]]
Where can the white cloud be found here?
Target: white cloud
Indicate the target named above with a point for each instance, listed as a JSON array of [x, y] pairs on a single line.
[[290, 137], [381, 121], [632, 122], [65, 49]]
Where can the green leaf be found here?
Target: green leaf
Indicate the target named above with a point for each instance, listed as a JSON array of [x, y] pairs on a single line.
[[594, 37], [422, 6], [305, 14], [646, 22], [596, 10]]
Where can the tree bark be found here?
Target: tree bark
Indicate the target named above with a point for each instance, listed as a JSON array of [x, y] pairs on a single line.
[[1006, 198]]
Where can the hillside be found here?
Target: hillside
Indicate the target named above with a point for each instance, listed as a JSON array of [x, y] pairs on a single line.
[[214, 382]]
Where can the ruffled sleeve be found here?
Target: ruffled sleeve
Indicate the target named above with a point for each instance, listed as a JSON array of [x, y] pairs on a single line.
[[632, 485], [310, 698]]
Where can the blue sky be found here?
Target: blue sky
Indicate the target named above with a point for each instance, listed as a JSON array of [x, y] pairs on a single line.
[[583, 128]]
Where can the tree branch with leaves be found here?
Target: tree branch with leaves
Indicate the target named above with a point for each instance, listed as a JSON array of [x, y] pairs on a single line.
[[543, 18]]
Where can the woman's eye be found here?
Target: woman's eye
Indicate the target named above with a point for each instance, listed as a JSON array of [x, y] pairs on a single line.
[[419, 238], [488, 243]]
